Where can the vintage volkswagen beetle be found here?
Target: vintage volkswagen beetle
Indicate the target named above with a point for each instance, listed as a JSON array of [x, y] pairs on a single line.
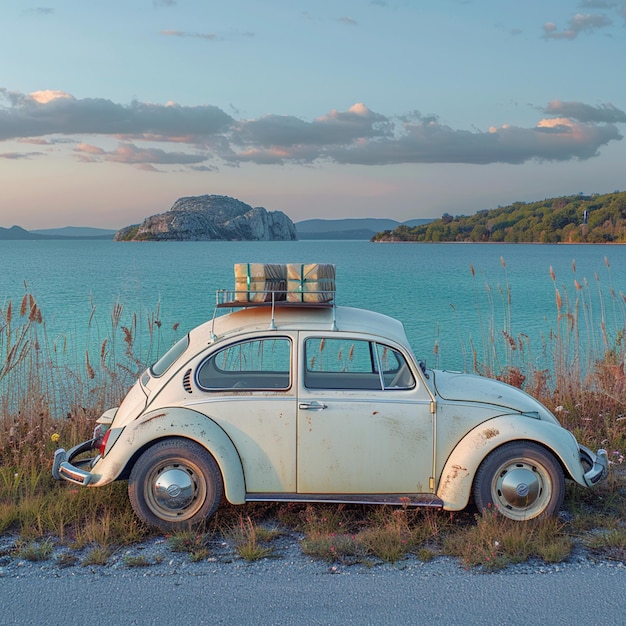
[[322, 403]]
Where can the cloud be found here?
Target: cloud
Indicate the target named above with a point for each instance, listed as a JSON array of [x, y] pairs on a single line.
[[47, 95], [41, 10], [206, 137], [577, 24], [362, 137], [182, 33], [131, 154], [334, 128], [432, 142], [58, 113], [19, 155], [605, 113], [206, 36]]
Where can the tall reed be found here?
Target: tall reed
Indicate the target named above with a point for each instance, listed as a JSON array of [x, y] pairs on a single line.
[[44, 386], [577, 368]]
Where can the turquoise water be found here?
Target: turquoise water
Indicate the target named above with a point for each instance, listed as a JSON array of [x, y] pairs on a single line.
[[430, 287]]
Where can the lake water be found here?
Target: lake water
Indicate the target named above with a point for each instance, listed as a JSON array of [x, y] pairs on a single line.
[[447, 295]]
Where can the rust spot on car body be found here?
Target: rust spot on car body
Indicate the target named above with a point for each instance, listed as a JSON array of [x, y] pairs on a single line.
[[490, 433], [144, 422], [452, 476], [456, 469]]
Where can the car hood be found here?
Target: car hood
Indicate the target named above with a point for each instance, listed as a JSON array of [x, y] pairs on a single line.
[[459, 387]]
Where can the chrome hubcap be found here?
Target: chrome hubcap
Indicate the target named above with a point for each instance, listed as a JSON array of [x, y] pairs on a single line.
[[174, 489], [518, 486]]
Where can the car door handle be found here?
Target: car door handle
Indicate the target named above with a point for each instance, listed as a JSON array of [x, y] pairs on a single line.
[[312, 406]]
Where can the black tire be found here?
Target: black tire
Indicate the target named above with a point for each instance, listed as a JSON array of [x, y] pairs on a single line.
[[520, 480], [174, 484]]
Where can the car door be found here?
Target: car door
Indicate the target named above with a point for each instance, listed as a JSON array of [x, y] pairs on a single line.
[[364, 423]]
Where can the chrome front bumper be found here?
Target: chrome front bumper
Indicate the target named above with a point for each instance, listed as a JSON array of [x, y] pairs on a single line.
[[599, 464], [65, 467]]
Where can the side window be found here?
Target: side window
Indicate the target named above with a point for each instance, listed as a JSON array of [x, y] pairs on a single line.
[[340, 363], [248, 365]]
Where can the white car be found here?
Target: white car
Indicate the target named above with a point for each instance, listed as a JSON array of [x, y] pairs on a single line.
[[313, 402]]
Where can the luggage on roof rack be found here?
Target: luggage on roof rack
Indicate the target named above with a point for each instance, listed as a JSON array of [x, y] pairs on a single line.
[[310, 284]]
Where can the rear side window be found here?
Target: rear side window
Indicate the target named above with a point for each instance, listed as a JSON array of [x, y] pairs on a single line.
[[248, 365]]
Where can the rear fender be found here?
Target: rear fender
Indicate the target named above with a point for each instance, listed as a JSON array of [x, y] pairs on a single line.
[[173, 422], [457, 476]]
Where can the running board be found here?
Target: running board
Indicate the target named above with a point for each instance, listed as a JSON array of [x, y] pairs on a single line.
[[396, 499]]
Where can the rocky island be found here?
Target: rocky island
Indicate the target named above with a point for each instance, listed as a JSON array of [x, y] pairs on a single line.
[[212, 218]]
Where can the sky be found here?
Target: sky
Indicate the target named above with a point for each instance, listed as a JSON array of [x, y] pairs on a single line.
[[111, 110]]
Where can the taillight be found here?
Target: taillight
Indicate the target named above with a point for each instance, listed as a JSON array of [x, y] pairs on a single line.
[[103, 443]]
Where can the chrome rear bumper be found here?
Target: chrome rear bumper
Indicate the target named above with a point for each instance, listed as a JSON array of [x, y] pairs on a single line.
[[65, 467]]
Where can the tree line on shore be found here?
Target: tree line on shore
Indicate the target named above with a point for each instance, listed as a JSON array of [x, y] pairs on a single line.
[[568, 219]]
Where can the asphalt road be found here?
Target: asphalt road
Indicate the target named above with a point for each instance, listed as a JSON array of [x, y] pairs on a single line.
[[440, 593]]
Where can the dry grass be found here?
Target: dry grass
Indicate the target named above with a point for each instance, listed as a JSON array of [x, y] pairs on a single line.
[[371, 534], [251, 541], [195, 542], [494, 541]]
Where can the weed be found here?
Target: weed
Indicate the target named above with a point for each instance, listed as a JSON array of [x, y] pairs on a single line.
[[495, 541], [9, 515], [136, 561], [610, 544], [98, 555], [425, 554], [250, 540], [193, 542], [33, 551], [188, 540], [332, 547], [66, 559]]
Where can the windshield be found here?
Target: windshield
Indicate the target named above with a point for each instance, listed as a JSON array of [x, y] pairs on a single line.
[[164, 363]]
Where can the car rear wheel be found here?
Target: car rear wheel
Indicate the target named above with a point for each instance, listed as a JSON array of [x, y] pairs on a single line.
[[521, 480], [174, 484]]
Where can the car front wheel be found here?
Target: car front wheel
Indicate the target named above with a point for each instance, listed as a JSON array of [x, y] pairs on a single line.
[[521, 480], [174, 484]]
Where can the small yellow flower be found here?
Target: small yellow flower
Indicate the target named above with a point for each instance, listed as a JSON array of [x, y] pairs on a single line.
[[55, 437]]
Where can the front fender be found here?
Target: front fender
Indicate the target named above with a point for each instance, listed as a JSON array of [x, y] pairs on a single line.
[[457, 476], [174, 422]]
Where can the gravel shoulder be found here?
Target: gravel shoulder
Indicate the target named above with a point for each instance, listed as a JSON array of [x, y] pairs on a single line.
[[155, 557], [292, 588]]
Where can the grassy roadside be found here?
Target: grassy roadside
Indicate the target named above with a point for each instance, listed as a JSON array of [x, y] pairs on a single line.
[[42, 396], [91, 527]]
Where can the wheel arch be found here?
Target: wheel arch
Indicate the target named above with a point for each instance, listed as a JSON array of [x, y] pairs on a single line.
[[181, 423], [456, 479]]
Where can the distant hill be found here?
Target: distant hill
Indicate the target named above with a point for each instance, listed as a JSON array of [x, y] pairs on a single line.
[[69, 232], [351, 228], [81, 232], [568, 219], [16, 233]]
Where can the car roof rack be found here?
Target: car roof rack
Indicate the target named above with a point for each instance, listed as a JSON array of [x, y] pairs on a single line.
[[274, 298]]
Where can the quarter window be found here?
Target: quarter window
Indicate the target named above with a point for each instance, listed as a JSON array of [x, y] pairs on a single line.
[[166, 361], [248, 365]]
